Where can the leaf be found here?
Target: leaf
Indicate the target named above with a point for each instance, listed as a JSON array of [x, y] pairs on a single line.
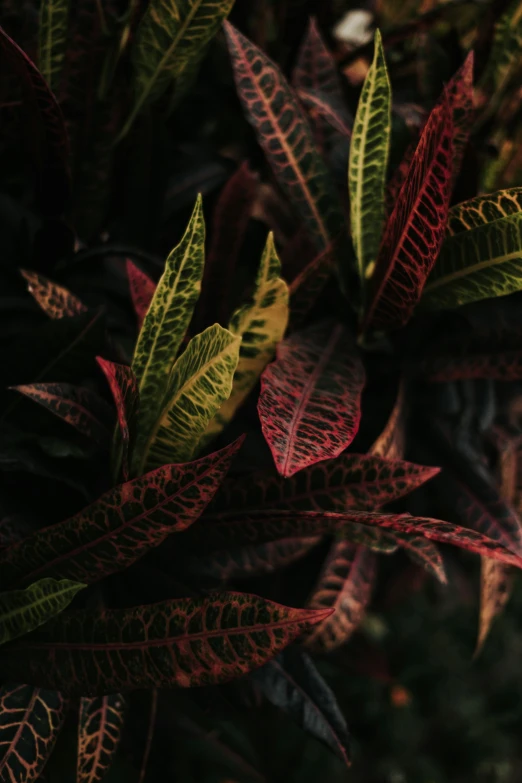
[[285, 136], [248, 561], [165, 324], [308, 285], [99, 733], [333, 114], [415, 228], [176, 643], [291, 682], [391, 442], [30, 721], [142, 290], [503, 62], [124, 388], [169, 38], [484, 209], [54, 300], [494, 365], [369, 150], [345, 584], [496, 583], [477, 264], [261, 326], [201, 380], [424, 553], [21, 611], [459, 94], [52, 39], [79, 407], [119, 527], [310, 398]]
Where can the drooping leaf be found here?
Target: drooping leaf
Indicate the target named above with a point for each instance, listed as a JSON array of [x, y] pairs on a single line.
[[119, 527], [176, 643], [415, 228], [310, 398], [291, 682], [53, 39], [54, 300], [307, 286], [253, 560], [170, 38], [332, 114], [345, 584], [283, 132], [261, 326], [368, 163], [142, 290], [100, 726], [124, 388], [79, 407], [200, 382], [166, 322], [21, 611], [484, 209], [30, 721]]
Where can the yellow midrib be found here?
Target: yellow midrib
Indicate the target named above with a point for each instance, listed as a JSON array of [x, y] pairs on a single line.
[[471, 269]]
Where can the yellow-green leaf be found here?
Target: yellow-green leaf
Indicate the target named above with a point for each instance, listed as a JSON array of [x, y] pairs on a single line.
[[369, 160], [21, 611], [52, 42], [261, 325], [165, 325], [484, 209], [200, 383], [169, 39]]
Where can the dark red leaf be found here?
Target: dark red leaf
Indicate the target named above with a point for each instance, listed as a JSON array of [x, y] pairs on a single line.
[[423, 552], [142, 290], [99, 732], [495, 365], [306, 288], [124, 388], [459, 94], [297, 254], [325, 107], [484, 510]]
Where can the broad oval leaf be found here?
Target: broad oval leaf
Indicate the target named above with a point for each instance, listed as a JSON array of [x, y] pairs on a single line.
[[285, 136], [30, 721], [177, 643], [310, 398], [124, 388], [200, 382], [142, 290], [415, 228], [52, 40], [21, 611], [100, 725], [121, 526], [369, 150], [55, 300], [484, 209]]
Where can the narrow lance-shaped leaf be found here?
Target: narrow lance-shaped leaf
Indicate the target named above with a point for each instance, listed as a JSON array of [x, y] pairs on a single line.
[[21, 611], [503, 61], [142, 290], [55, 300], [169, 39], [291, 682], [261, 326], [415, 228], [459, 94], [124, 388], [79, 407], [345, 585], [310, 398], [283, 132], [53, 39], [121, 526], [177, 643], [484, 209], [30, 721], [165, 324], [100, 726], [369, 150], [333, 116], [308, 285], [497, 365], [201, 381]]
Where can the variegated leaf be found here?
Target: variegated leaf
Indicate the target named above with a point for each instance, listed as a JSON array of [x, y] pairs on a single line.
[[391, 442], [100, 726], [496, 584], [504, 58], [484, 209], [247, 561], [497, 365], [332, 114], [124, 388], [142, 290], [55, 300], [53, 39], [308, 285], [459, 94]]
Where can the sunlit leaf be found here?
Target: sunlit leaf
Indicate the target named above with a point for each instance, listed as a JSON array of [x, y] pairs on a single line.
[[53, 39], [142, 290], [100, 726], [55, 300]]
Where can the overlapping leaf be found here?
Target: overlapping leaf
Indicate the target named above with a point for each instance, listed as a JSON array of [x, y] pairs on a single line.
[[390, 443], [30, 721], [283, 132], [55, 300], [369, 150], [181, 643], [249, 561], [21, 611], [315, 68], [100, 726], [415, 228], [200, 382], [121, 526], [484, 209], [142, 290], [53, 39], [333, 114], [124, 388], [493, 365], [307, 286], [459, 94], [310, 398], [496, 583], [503, 61]]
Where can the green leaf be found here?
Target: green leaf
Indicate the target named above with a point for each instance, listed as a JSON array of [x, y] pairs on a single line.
[[21, 611], [200, 382], [368, 163], [261, 325], [52, 42], [165, 324], [169, 39], [484, 209], [478, 264]]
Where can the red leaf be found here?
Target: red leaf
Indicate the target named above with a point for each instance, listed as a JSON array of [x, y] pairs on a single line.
[[415, 229], [124, 388], [119, 527], [54, 299], [306, 288], [326, 108], [345, 585], [494, 365], [297, 254], [459, 94], [253, 560], [99, 733], [142, 290], [423, 552], [310, 400], [487, 513]]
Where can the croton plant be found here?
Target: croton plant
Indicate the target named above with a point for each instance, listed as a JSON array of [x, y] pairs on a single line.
[[207, 451]]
